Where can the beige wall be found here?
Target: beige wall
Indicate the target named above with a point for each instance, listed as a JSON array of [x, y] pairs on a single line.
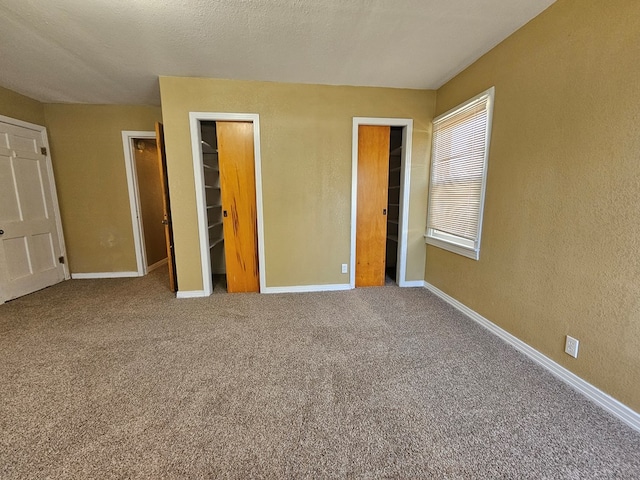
[[306, 170], [88, 162], [562, 217], [18, 106]]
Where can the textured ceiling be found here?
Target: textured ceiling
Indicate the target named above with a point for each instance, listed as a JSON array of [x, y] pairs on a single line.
[[112, 51]]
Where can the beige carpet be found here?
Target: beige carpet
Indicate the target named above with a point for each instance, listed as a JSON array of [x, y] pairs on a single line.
[[118, 379]]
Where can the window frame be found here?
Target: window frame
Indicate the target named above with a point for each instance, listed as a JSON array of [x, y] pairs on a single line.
[[444, 240]]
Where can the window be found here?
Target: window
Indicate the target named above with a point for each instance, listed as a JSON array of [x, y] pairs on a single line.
[[458, 176]]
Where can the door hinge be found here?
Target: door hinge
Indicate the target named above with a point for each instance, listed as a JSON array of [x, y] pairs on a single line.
[[61, 260], [43, 150]]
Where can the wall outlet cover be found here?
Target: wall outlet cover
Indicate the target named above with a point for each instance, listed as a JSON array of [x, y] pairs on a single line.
[[571, 346], [344, 268]]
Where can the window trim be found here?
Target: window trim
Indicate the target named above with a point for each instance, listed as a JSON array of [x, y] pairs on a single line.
[[445, 240]]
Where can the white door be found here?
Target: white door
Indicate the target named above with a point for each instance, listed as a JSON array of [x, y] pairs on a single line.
[[30, 246]]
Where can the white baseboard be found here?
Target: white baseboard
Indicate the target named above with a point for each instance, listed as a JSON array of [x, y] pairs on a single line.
[[610, 404], [191, 294], [84, 276], [151, 268], [308, 288], [412, 283]]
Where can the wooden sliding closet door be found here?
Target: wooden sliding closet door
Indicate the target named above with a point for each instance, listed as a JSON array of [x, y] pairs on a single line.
[[371, 214], [238, 191]]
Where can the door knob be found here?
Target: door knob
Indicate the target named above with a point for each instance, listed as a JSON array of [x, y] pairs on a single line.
[[224, 213], [165, 222], [1, 232], [384, 211]]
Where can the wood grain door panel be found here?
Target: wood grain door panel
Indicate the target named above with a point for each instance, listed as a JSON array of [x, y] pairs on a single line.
[[238, 192], [371, 220]]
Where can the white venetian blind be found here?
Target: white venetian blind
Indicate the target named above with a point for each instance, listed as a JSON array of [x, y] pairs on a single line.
[[457, 173]]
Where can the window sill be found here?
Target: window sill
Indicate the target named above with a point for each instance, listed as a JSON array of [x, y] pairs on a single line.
[[465, 252]]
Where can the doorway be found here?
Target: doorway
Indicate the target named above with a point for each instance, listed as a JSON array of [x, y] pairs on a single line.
[[226, 156], [150, 195], [381, 166], [146, 179]]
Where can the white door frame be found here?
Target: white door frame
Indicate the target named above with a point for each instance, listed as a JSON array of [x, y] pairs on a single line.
[[134, 196], [52, 185], [405, 182], [196, 150]]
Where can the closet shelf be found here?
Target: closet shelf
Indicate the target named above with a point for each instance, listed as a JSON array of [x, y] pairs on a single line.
[[396, 169], [396, 151], [213, 206], [394, 187], [217, 242], [393, 238], [208, 149], [393, 221], [208, 167], [214, 225]]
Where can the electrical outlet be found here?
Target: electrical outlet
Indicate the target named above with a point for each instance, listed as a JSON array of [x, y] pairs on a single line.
[[344, 268], [571, 346]]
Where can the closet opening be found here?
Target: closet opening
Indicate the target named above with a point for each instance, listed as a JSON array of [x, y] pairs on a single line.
[[213, 199], [226, 160], [381, 173], [393, 205]]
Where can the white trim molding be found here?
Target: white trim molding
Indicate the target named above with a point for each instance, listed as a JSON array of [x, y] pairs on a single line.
[[134, 195], [405, 185], [607, 402], [191, 294], [196, 151], [309, 288], [85, 276]]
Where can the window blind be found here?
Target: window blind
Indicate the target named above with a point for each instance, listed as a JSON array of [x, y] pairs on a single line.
[[458, 166]]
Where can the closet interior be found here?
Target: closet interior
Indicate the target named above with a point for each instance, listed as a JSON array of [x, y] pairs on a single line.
[[393, 202], [211, 174]]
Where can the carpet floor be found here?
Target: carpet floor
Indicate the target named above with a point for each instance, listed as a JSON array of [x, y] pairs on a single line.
[[116, 378]]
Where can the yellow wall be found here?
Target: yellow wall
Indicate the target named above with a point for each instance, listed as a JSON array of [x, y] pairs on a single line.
[[88, 162], [18, 106], [306, 170], [562, 216]]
